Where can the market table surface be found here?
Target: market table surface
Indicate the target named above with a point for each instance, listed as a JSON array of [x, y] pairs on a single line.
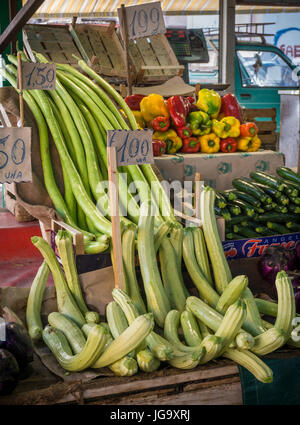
[[218, 169], [217, 382]]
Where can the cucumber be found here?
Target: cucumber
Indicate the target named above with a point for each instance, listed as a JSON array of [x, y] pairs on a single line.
[[247, 198], [259, 210], [293, 226], [234, 210], [220, 201], [222, 212], [288, 174], [281, 209], [246, 186], [233, 236], [267, 180], [295, 200], [279, 228], [275, 194], [248, 233], [229, 194], [245, 207], [294, 208], [270, 207], [242, 219], [277, 218]]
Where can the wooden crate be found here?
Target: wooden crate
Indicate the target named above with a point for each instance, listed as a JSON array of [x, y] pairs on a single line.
[[12, 205], [266, 128], [153, 60], [100, 47], [53, 41]]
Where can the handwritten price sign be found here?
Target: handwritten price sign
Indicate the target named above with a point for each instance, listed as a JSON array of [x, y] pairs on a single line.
[[144, 20], [41, 76], [15, 154], [132, 147]]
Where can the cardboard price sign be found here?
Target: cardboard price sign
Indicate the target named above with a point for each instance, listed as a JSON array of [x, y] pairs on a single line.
[[38, 76], [15, 154], [144, 20], [133, 147]]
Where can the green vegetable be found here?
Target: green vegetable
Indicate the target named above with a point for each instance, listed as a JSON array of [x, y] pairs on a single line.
[[224, 212], [276, 218], [247, 209], [287, 173], [220, 200], [243, 196], [69, 328], [246, 186], [267, 180], [190, 328], [279, 228]]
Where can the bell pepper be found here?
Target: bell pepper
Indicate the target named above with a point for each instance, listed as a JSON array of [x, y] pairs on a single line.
[[230, 107], [189, 102], [139, 119], [248, 144], [178, 110], [153, 106], [200, 123], [248, 129], [228, 145], [159, 147], [184, 132], [210, 143], [226, 127], [190, 145], [173, 141], [134, 100], [209, 101], [160, 123]]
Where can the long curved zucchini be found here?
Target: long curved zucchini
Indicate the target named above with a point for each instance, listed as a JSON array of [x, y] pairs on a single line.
[[34, 302], [157, 300]]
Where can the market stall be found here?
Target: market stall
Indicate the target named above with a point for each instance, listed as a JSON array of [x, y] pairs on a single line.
[[146, 305]]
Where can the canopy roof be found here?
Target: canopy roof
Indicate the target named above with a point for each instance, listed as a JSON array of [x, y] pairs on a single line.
[[108, 8]]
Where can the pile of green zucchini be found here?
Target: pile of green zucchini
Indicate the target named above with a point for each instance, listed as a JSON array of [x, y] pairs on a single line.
[[261, 205]]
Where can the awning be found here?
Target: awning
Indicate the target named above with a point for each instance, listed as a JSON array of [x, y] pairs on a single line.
[[108, 8]]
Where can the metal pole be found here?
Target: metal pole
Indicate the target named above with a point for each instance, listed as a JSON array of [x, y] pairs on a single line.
[[126, 42]]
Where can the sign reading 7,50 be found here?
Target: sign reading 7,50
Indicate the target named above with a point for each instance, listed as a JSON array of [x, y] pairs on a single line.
[[15, 154], [132, 147], [144, 20], [41, 76]]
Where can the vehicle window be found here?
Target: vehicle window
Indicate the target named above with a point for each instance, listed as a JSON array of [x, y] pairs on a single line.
[[265, 68]]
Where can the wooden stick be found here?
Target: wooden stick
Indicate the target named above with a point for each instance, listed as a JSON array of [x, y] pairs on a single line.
[[126, 42], [197, 194], [115, 218], [20, 83]]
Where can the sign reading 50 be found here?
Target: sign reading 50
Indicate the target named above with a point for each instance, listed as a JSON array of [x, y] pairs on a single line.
[[15, 154]]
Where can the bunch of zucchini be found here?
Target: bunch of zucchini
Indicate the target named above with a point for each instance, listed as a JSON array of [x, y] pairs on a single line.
[[261, 205]]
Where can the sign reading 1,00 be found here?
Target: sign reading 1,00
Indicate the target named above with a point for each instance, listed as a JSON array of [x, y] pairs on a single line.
[[132, 147], [41, 76]]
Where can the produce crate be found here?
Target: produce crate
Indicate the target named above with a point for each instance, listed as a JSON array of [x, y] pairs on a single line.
[[101, 48], [53, 41], [154, 60], [265, 119], [12, 205]]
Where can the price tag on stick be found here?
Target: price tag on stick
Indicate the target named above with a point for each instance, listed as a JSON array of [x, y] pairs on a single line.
[[132, 147], [124, 147], [38, 76], [15, 154], [144, 20]]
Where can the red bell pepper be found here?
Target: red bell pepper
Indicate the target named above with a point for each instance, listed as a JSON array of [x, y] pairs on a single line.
[[248, 129], [189, 102], [228, 145], [178, 110], [160, 123], [133, 101], [190, 145], [230, 107], [159, 147], [184, 132]]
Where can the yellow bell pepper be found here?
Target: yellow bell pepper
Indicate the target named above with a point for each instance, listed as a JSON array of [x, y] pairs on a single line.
[[248, 144], [226, 127], [209, 101], [139, 119], [153, 106], [210, 143], [173, 141]]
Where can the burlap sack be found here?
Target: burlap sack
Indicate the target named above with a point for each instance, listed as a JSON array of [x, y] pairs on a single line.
[[32, 196]]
